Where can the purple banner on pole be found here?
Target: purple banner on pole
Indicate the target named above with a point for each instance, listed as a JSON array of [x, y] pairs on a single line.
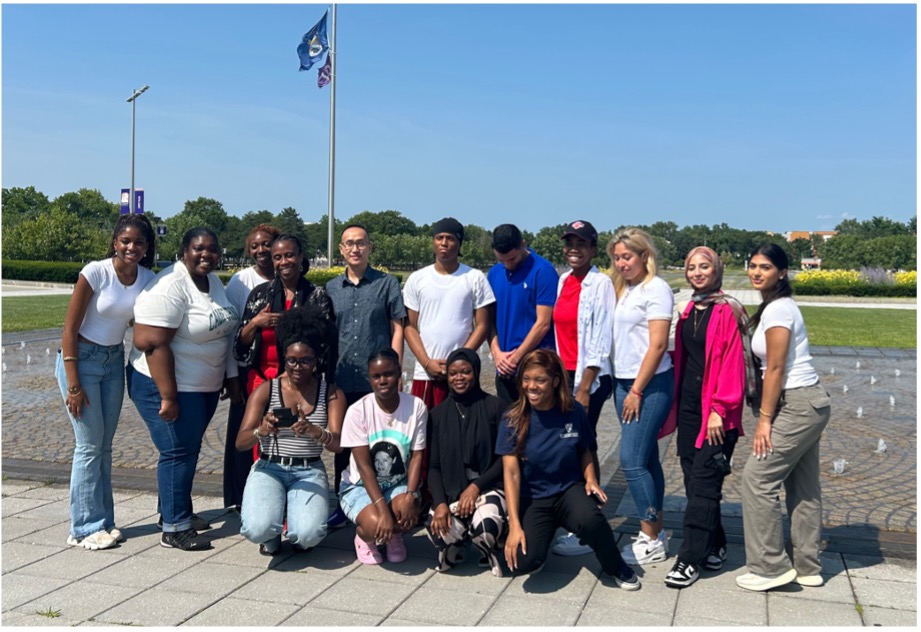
[[126, 202], [139, 201]]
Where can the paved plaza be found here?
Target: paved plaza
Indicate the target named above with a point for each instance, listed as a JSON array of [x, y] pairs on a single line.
[[870, 525]]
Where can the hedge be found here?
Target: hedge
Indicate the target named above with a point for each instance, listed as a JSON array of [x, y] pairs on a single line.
[[817, 287], [68, 272]]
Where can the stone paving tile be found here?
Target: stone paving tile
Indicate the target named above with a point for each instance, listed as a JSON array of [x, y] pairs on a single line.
[[837, 589], [414, 571], [571, 588], [468, 578], [15, 505], [311, 616], [19, 588], [157, 607], [442, 607], [81, 600], [404, 623], [15, 527], [377, 597], [603, 617], [49, 510], [701, 622], [47, 492], [142, 570], [886, 594], [36, 620], [651, 597], [806, 612], [703, 602], [531, 610], [880, 568], [873, 616], [18, 555], [334, 561], [209, 578], [280, 587], [236, 612], [12, 488]]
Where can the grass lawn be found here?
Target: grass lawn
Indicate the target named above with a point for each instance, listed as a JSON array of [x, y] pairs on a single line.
[[827, 326], [24, 313]]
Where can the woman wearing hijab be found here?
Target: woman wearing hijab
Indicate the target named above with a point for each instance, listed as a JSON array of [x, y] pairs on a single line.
[[464, 473], [710, 374]]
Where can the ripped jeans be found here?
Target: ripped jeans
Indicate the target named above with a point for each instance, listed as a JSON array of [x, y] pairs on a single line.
[[639, 445]]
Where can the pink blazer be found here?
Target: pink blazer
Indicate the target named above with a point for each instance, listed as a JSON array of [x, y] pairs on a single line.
[[724, 373]]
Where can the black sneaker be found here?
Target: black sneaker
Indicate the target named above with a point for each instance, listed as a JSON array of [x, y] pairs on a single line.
[[626, 579], [198, 523], [682, 575], [187, 540], [715, 559]]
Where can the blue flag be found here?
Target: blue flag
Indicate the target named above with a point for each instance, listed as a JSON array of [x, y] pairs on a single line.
[[325, 74], [313, 45]]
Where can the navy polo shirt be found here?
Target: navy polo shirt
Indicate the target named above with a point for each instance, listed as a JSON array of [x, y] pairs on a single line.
[[553, 461]]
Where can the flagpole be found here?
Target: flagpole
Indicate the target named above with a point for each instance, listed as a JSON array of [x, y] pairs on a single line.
[[332, 142]]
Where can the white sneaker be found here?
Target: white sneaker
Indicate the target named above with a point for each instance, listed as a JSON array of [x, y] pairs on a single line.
[[94, 542], [644, 550], [664, 539], [756, 582], [568, 545]]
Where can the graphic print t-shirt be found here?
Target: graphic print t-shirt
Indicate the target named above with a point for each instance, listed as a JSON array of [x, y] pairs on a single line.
[[391, 437]]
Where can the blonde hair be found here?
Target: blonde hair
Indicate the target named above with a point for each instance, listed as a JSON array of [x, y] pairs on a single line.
[[639, 242]]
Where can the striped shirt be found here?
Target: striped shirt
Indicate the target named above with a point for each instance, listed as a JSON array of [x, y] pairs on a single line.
[[286, 443]]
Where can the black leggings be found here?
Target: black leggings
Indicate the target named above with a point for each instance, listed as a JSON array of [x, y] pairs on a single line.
[[574, 511]]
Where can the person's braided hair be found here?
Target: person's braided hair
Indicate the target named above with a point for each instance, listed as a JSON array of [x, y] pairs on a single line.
[[307, 325]]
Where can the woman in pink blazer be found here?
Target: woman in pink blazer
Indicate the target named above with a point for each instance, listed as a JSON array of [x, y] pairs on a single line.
[[710, 374]]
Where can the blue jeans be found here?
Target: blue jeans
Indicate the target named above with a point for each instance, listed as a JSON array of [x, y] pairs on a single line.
[[270, 487], [639, 444], [179, 443], [101, 371]]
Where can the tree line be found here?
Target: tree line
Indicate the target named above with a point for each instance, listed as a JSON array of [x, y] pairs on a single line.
[[77, 227]]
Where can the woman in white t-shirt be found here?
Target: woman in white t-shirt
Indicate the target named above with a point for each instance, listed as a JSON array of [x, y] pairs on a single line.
[[794, 412], [90, 369], [237, 464], [181, 360], [644, 382], [380, 488]]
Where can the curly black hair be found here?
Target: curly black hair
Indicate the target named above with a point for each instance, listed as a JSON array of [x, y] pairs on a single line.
[[307, 325]]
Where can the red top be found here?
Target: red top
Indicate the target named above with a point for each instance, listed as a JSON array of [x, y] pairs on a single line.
[[566, 321], [268, 357]]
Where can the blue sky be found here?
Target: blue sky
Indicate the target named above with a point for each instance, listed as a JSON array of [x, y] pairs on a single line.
[[775, 117]]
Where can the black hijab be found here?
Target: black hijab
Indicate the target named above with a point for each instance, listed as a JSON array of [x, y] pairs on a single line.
[[467, 428]]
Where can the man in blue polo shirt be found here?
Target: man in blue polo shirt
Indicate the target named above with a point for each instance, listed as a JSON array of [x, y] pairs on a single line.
[[524, 284]]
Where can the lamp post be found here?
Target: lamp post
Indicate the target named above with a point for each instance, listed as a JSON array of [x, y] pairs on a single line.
[[131, 100]]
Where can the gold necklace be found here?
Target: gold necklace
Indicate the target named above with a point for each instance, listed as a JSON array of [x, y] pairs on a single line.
[[697, 320]]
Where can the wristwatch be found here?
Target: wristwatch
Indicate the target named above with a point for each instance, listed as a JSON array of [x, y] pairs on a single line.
[[415, 494]]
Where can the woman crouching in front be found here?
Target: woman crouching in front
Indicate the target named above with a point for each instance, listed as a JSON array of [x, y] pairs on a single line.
[[546, 443], [293, 418], [380, 489]]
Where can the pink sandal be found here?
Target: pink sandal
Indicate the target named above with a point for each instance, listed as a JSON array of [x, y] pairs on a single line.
[[396, 550], [367, 554]]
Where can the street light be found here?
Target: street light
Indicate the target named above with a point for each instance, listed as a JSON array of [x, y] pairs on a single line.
[[131, 100]]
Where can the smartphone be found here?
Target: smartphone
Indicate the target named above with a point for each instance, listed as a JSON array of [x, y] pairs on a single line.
[[597, 498], [285, 417]]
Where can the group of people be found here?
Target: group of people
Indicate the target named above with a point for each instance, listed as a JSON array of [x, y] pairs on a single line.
[[309, 369]]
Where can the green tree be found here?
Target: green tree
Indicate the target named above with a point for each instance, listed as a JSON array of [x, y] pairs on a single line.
[[21, 204], [89, 206], [548, 243], [55, 235], [384, 223]]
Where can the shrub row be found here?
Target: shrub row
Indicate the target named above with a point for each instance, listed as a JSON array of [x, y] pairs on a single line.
[[68, 272], [820, 287]]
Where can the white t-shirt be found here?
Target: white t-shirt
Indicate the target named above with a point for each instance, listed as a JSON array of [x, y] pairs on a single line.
[[798, 369], [111, 306], [632, 312], [204, 324], [445, 303], [391, 437], [240, 285]]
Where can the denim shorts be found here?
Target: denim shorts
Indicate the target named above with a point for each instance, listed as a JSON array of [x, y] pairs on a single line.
[[354, 498]]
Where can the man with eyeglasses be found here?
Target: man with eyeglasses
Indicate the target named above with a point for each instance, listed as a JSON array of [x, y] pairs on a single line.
[[369, 313]]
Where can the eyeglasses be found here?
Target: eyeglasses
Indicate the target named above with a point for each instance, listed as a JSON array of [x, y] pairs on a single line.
[[293, 362], [348, 245]]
